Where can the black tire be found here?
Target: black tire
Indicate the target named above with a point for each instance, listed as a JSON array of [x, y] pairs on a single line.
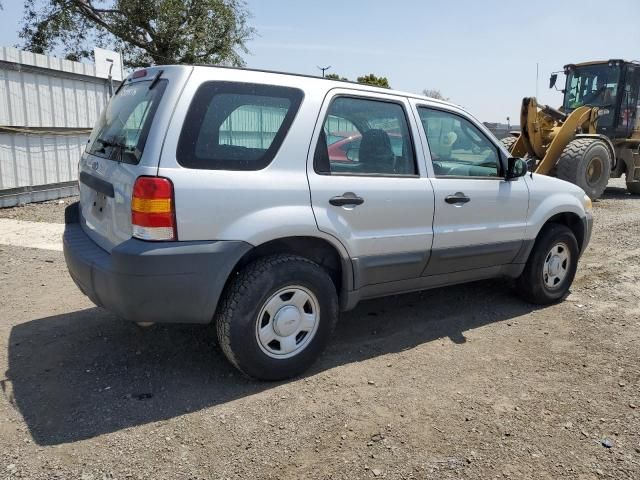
[[509, 142], [72, 213], [243, 301], [633, 188], [531, 284], [586, 162], [145, 326]]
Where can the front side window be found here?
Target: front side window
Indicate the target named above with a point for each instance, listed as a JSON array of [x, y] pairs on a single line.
[[458, 148], [236, 126], [594, 85], [365, 137]]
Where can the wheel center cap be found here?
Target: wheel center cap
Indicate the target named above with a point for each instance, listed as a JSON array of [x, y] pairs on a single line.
[[554, 265], [287, 321]]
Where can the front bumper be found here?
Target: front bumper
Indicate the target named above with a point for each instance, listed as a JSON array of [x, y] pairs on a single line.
[[167, 282]]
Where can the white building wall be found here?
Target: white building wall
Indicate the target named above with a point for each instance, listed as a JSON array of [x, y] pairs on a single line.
[[48, 106], [31, 160]]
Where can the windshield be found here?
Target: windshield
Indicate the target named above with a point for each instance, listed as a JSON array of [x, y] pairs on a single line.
[[595, 85], [124, 124]]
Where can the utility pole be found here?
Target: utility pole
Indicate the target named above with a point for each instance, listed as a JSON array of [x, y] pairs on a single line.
[[324, 69]]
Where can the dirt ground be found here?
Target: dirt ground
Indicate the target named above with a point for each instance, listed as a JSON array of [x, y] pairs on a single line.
[[51, 211], [464, 382]]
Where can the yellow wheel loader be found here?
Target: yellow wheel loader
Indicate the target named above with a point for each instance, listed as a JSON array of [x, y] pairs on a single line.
[[595, 135]]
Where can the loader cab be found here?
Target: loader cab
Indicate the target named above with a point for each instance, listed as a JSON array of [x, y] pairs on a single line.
[[613, 86]]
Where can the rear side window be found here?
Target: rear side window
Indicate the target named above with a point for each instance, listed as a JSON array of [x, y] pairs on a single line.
[[361, 136], [122, 129], [236, 126]]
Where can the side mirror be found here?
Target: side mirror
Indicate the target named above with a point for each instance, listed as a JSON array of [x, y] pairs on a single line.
[[516, 167], [552, 80]]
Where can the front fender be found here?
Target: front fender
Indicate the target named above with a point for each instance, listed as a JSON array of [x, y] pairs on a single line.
[[548, 198]]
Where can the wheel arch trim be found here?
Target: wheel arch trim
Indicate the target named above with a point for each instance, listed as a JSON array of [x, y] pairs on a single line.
[[579, 225], [287, 244]]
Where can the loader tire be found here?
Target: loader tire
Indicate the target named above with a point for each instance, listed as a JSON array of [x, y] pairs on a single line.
[[509, 142], [633, 188], [586, 162]]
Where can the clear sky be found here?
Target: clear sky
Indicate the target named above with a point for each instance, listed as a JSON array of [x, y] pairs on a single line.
[[480, 53]]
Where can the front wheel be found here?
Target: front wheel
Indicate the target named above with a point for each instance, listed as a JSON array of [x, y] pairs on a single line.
[[551, 267], [276, 317]]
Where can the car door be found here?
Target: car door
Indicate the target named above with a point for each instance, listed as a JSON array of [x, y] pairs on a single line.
[[369, 187], [480, 218]]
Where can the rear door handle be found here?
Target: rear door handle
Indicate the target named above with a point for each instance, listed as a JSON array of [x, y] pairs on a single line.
[[458, 197], [347, 198]]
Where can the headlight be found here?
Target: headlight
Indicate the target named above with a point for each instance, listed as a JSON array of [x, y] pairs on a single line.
[[586, 203]]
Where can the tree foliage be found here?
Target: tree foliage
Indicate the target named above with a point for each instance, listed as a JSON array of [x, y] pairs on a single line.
[[434, 93], [335, 76], [375, 81], [144, 31]]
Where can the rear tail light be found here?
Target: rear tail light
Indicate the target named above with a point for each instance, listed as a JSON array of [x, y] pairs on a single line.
[[153, 215]]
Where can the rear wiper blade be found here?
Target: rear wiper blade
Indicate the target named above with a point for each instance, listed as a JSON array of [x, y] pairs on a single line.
[[119, 87], [109, 143], [155, 79], [119, 147]]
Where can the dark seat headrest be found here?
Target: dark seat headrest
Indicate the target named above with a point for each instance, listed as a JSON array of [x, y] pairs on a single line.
[[376, 152]]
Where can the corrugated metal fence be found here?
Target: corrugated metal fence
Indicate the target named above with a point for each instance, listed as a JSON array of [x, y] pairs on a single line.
[[252, 126], [47, 108]]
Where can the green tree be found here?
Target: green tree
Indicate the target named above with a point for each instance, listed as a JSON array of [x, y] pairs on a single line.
[[375, 81], [145, 31], [335, 76], [434, 93]]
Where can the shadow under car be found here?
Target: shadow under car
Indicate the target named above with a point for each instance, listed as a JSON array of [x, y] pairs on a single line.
[[86, 373]]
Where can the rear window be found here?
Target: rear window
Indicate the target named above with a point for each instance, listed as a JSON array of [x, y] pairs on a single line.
[[236, 126], [122, 130]]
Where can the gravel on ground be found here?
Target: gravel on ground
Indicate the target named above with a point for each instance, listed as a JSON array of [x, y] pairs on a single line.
[[50, 211], [463, 382]]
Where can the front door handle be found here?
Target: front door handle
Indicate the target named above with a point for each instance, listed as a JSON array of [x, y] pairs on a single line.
[[347, 198], [456, 198]]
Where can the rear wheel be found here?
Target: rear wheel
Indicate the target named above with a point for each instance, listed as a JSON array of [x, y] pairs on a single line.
[[276, 317], [551, 266], [633, 187], [586, 162]]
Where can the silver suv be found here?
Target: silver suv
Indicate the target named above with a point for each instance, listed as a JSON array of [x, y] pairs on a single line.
[[267, 203]]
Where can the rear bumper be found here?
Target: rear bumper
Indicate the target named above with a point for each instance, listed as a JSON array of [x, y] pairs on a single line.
[[177, 282]]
